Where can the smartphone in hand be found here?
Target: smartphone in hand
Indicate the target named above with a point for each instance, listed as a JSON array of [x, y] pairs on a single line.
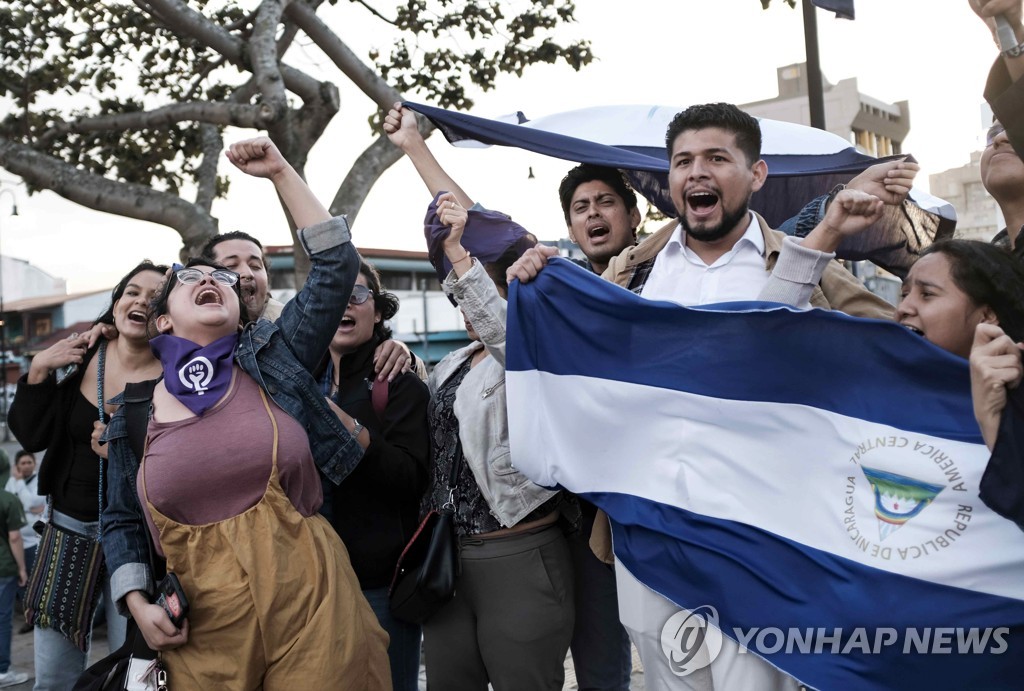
[[171, 597], [66, 372]]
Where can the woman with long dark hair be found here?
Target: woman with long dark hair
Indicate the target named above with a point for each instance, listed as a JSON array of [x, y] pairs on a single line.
[[376, 509], [57, 408]]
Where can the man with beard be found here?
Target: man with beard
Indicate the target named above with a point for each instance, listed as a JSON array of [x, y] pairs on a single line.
[[720, 251], [715, 166]]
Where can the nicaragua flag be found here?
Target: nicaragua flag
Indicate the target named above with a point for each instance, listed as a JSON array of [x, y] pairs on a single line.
[[842, 8], [803, 163], [803, 471]]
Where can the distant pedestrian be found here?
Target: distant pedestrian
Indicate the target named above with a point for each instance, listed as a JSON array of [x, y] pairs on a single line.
[[12, 576], [24, 484]]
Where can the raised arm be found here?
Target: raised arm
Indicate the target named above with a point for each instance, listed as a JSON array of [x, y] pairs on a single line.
[[400, 126], [1010, 10], [1004, 89], [261, 158], [308, 321], [801, 264], [470, 284]]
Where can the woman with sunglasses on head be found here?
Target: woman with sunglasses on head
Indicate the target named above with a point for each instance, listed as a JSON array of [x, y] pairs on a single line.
[[56, 408], [228, 487], [376, 509]]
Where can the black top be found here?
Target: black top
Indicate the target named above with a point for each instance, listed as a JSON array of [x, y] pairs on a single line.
[[41, 418], [78, 496], [375, 510]]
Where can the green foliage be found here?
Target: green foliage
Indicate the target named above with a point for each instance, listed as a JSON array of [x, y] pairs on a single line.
[[72, 71], [428, 56]]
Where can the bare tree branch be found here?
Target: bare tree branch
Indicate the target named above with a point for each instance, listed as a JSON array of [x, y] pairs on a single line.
[[102, 194], [370, 165], [347, 61], [182, 19], [374, 12], [262, 52], [206, 173], [239, 115]]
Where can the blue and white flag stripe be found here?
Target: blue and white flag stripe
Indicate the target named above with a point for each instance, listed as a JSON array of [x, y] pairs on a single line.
[[745, 458]]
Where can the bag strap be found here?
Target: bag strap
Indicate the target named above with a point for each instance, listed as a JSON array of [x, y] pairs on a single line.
[[101, 370], [137, 398]]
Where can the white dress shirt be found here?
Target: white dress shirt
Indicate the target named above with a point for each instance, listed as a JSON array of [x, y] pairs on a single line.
[[679, 275]]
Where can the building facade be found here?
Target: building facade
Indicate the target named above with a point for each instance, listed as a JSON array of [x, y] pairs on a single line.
[[875, 127]]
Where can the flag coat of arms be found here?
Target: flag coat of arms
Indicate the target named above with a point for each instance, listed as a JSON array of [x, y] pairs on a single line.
[[802, 471]]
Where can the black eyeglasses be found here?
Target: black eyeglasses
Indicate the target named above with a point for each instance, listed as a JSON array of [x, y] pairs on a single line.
[[192, 275], [360, 294], [994, 131]]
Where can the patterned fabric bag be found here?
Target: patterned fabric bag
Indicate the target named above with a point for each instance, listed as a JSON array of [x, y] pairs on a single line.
[[65, 586], [66, 580]]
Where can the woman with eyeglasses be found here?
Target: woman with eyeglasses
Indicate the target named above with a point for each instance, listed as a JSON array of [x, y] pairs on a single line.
[[376, 509], [56, 408], [229, 488]]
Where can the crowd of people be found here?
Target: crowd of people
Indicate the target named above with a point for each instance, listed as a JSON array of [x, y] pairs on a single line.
[[286, 453]]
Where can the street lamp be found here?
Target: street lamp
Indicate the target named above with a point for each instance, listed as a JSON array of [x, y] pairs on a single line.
[[3, 317]]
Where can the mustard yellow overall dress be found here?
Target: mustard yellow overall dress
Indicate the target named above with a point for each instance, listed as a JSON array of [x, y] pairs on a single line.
[[274, 603]]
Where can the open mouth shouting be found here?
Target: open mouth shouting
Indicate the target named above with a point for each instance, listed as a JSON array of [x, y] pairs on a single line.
[[137, 317], [912, 328], [598, 231], [702, 203], [346, 323], [209, 296]]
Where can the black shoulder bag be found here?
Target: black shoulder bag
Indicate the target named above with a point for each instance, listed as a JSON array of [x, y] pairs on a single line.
[[426, 572]]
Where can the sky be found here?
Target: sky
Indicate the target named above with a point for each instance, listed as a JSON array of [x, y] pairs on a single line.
[[933, 53]]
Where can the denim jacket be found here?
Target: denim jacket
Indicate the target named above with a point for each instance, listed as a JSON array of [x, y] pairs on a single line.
[[480, 404], [280, 356]]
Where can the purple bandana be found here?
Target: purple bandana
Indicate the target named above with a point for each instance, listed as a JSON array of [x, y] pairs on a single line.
[[198, 376]]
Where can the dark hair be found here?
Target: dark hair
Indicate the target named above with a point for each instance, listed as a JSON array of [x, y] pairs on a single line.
[[989, 276], [118, 292], [384, 302], [499, 267], [586, 172], [159, 304], [725, 116], [207, 250], [23, 452]]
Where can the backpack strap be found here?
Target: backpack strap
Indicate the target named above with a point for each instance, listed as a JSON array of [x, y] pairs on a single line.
[[379, 398], [137, 398]]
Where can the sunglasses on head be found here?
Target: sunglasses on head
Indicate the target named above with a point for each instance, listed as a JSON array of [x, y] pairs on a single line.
[[191, 275], [360, 294], [994, 131]]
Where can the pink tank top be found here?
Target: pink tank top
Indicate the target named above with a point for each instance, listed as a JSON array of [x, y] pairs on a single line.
[[207, 469]]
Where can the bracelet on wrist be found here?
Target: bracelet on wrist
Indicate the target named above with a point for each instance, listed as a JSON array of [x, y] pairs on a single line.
[[462, 259]]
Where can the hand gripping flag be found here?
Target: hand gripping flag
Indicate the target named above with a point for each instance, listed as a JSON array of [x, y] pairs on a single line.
[[805, 471], [803, 163]]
